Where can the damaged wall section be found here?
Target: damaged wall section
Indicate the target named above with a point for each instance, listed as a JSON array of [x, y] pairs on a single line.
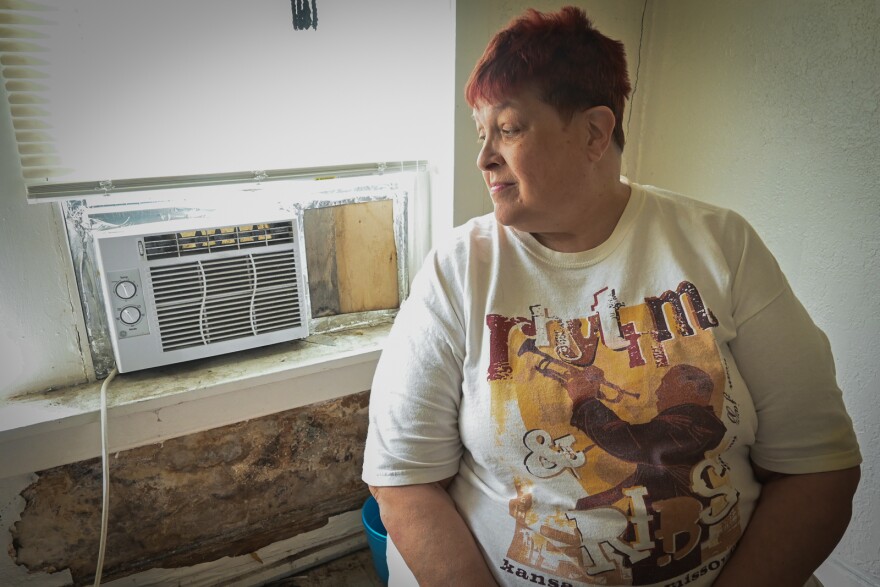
[[223, 492]]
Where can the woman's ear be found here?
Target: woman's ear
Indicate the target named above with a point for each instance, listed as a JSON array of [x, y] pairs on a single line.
[[599, 121]]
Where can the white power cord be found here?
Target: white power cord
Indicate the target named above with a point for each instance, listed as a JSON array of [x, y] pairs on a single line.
[[105, 473]]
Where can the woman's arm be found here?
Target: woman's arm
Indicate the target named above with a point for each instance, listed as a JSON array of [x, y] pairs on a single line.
[[798, 521], [431, 535]]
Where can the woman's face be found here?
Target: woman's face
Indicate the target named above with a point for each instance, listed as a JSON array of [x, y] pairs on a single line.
[[535, 165]]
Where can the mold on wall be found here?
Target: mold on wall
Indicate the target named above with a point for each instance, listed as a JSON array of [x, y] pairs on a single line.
[[224, 492]]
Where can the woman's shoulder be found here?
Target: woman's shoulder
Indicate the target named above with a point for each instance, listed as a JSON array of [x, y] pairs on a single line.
[[685, 210], [459, 248], [667, 198], [703, 226], [477, 233], [479, 227]]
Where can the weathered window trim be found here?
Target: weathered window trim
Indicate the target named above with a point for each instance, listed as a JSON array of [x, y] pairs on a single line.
[[43, 430]]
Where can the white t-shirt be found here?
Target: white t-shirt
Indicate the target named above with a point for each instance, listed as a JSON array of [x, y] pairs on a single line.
[[703, 359]]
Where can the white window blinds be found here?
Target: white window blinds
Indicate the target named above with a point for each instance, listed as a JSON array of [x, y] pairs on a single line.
[[115, 90]]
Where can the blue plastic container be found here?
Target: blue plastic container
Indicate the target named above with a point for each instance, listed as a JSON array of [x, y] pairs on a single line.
[[377, 537]]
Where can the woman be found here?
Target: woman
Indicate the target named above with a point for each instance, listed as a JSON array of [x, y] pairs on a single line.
[[601, 382]]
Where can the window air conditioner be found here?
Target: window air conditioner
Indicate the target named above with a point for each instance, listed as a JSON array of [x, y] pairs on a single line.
[[181, 290]]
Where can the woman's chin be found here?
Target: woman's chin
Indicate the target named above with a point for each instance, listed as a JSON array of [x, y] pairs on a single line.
[[505, 216]]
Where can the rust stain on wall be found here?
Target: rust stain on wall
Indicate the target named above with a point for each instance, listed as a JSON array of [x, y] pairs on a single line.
[[224, 492]]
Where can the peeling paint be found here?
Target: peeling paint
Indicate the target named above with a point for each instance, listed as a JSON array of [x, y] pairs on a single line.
[[11, 507], [225, 492]]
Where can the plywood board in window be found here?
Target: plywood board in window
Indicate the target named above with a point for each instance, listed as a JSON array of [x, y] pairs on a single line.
[[320, 238], [352, 258], [366, 257]]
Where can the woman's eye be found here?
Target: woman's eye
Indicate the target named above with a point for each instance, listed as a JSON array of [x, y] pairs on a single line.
[[509, 131], [481, 139]]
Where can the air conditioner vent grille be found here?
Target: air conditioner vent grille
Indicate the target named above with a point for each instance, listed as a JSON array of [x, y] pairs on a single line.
[[203, 302], [218, 239]]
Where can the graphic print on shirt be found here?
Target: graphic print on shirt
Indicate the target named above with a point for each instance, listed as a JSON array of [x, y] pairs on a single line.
[[625, 410]]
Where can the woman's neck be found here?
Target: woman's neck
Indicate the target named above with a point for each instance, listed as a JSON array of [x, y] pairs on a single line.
[[594, 222]]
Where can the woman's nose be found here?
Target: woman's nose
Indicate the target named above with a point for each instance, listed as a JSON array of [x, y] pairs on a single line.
[[488, 157]]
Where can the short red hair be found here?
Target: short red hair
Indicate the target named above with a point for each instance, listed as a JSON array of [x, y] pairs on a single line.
[[573, 66]]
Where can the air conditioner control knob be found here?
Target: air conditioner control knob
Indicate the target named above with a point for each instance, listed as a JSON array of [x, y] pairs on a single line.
[[130, 315], [126, 290]]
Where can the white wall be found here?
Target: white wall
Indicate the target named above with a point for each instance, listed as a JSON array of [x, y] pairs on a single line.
[[476, 23], [771, 108], [39, 340]]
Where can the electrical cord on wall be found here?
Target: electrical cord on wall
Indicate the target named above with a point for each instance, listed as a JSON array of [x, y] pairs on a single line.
[[105, 474]]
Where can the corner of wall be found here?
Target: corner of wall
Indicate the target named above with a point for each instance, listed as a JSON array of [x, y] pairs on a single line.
[[639, 99], [76, 308]]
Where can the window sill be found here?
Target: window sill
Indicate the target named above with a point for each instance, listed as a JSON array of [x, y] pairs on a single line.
[[39, 431]]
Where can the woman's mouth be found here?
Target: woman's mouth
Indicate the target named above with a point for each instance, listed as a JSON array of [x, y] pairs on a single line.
[[495, 188]]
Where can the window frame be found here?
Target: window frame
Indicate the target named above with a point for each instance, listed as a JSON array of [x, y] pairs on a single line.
[[404, 183]]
